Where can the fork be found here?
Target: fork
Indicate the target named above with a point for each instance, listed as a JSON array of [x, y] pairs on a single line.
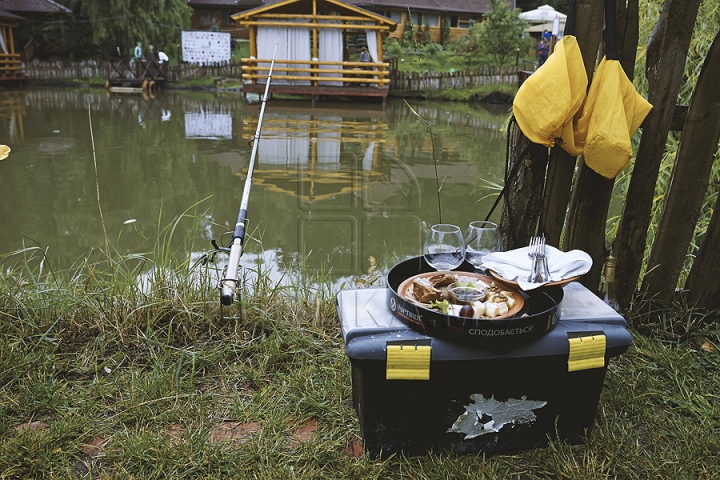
[[543, 270], [533, 254]]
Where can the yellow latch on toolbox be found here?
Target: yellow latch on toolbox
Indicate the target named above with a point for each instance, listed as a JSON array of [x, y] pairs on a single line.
[[408, 362], [587, 352]]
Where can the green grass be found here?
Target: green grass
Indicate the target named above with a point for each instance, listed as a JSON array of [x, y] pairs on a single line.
[[477, 92], [241, 50], [155, 375]]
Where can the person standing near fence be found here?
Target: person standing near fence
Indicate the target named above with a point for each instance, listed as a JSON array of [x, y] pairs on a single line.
[[365, 58], [364, 55], [543, 50], [163, 62], [137, 53], [162, 56]]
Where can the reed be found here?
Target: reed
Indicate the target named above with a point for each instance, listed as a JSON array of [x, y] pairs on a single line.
[[438, 183]]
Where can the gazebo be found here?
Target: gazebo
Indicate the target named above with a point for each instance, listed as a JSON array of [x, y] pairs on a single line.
[[313, 53], [10, 63], [542, 14]]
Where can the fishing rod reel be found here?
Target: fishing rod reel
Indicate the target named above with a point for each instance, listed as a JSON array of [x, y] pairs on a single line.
[[228, 284]]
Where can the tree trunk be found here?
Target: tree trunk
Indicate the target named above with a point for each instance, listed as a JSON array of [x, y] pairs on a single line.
[[586, 225], [561, 169], [590, 20], [592, 193], [703, 283], [524, 190], [628, 26], [667, 50], [562, 165], [688, 186]]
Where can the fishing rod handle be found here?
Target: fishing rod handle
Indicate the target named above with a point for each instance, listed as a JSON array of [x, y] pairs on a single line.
[[229, 283]]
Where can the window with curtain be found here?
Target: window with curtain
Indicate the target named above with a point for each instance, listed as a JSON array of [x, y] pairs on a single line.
[[330, 46], [292, 44]]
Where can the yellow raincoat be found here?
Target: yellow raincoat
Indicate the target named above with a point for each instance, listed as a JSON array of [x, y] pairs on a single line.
[[615, 111], [550, 97]]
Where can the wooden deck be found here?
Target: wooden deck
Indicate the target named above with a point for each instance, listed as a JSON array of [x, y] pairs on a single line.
[[11, 73], [144, 74], [315, 92]]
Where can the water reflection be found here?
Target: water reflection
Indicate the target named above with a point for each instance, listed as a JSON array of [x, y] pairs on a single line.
[[333, 185]]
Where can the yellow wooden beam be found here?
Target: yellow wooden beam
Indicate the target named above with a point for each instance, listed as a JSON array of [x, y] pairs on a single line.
[[342, 26], [347, 18], [322, 79], [276, 69], [313, 62]]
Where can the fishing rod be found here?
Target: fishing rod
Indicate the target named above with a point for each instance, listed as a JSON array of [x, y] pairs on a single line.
[[229, 283]]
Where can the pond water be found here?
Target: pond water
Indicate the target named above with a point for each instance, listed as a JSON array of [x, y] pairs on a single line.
[[334, 184]]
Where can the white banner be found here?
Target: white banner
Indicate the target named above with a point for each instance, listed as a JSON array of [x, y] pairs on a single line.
[[205, 47]]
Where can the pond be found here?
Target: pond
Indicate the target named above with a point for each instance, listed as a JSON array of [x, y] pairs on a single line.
[[336, 186]]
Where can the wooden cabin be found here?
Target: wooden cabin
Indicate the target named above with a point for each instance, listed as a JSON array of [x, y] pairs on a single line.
[[316, 45], [431, 16], [40, 12], [215, 15], [10, 63]]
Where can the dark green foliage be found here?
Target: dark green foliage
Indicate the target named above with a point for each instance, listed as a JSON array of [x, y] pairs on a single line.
[[95, 25], [496, 40], [125, 22], [63, 35], [409, 33], [445, 30]]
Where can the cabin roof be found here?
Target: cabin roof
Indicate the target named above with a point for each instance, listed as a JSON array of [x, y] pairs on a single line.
[[33, 6], [239, 4], [12, 16], [304, 6], [455, 6]]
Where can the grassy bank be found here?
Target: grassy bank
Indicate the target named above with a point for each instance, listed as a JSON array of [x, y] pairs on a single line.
[[105, 377]]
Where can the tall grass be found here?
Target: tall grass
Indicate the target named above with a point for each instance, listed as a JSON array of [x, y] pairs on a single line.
[[106, 376]]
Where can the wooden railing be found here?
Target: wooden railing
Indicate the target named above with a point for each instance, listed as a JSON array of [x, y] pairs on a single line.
[[58, 70], [122, 70], [10, 65], [316, 71], [428, 81], [37, 70], [350, 73]]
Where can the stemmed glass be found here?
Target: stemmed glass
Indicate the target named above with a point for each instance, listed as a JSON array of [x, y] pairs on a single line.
[[481, 238], [444, 247]]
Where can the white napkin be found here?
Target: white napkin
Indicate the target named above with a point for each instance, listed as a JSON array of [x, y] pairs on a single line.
[[515, 265]]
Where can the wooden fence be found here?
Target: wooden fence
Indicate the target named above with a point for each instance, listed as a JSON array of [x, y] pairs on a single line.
[[557, 194], [399, 81], [60, 71], [428, 81]]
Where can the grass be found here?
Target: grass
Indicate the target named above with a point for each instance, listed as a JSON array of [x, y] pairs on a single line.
[[100, 378], [477, 92]]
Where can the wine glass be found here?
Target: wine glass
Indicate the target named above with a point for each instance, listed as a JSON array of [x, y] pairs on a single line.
[[481, 238], [444, 247]]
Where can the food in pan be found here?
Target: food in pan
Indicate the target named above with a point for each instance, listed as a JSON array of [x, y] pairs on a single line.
[[462, 295]]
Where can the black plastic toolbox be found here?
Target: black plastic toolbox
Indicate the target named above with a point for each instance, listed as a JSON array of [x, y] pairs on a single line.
[[414, 393]]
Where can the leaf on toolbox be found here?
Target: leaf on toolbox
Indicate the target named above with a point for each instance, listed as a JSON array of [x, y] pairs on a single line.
[[487, 415]]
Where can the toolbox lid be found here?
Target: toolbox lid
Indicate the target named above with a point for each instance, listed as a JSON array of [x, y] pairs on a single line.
[[368, 326]]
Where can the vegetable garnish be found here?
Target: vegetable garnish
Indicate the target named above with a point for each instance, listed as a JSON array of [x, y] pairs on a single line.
[[441, 305]]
